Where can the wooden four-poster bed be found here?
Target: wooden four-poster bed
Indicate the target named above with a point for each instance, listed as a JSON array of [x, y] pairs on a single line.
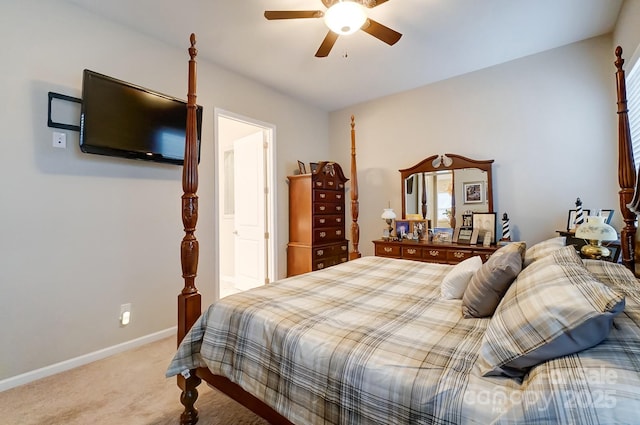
[[410, 356]]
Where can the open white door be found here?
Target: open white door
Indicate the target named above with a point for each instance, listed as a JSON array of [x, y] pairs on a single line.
[[250, 219]]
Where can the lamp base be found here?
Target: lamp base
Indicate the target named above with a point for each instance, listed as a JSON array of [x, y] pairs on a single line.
[[595, 250]]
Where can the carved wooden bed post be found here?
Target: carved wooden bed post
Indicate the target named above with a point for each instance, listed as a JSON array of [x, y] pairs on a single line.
[[629, 202], [355, 229], [189, 300]]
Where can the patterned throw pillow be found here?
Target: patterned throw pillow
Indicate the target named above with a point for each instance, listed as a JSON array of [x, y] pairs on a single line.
[[554, 308], [491, 281], [544, 248], [457, 280]]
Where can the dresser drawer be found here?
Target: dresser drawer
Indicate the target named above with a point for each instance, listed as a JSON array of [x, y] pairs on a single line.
[[328, 234], [330, 250], [328, 262], [455, 255], [333, 196], [388, 250], [435, 254], [412, 252], [328, 182], [328, 208], [328, 221]]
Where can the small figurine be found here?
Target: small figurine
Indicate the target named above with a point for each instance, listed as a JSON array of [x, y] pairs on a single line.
[[506, 232]]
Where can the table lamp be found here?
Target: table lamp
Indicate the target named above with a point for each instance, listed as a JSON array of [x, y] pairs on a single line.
[[595, 230], [388, 215]]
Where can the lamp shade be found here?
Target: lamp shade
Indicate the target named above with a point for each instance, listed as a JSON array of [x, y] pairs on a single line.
[[345, 17], [388, 214], [596, 229]]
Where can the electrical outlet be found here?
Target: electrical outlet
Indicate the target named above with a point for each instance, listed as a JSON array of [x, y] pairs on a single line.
[[59, 140], [125, 314]]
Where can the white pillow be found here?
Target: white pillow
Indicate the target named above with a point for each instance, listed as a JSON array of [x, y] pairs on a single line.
[[456, 281]]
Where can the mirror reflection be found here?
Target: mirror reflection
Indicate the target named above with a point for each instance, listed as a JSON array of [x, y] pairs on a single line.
[[442, 188]]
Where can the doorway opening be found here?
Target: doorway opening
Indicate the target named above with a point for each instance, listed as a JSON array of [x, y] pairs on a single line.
[[245, 191]]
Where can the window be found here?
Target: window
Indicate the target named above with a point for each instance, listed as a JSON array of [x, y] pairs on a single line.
[[633, 104]]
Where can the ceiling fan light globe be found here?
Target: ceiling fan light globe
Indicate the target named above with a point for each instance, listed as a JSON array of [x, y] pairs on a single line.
[[345, 17]]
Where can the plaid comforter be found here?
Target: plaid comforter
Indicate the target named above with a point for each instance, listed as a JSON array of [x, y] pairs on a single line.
[[371, 342]]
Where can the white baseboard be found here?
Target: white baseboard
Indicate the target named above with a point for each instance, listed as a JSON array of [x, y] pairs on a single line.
[[25, 378]]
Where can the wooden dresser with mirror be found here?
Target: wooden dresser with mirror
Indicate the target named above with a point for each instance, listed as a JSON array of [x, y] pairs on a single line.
[[442, 189]]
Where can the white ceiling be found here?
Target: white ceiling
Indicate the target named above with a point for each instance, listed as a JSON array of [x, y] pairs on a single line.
[[441, 39]]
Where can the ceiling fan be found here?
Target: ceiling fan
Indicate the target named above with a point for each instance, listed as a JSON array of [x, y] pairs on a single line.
[[343, 17]]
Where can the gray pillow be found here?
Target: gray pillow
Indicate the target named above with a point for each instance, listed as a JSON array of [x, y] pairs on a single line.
[[491, 281], [554, 308]]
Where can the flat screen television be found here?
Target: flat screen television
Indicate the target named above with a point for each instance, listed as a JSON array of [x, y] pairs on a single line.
[[125, 120]]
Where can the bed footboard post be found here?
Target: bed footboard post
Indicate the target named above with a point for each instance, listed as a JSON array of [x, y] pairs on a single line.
[[189, 300], [188, 398], [355, 206], [629, 202]]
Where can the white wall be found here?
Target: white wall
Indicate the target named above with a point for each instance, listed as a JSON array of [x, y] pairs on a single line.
[[81, 234], [548, 120]]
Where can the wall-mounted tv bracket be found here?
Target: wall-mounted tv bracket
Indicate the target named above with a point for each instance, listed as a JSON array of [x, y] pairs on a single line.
[[65, 98]]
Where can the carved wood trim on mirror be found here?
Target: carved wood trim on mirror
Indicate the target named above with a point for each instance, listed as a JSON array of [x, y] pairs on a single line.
[[447, 182]]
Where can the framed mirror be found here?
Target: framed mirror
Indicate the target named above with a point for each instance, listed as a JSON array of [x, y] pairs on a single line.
[[443, 188]]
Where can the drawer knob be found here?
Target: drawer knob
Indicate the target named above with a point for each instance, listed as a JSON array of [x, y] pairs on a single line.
[[338, 208], [323, 234], [320, 252], [434, 253], [338, 196], [322, 221], [323, 195], [322, 208], [458, 254], [387, 249], [339, 220], [338, 232], [343, 247], [411, 251], [330, 183], [320, 265]]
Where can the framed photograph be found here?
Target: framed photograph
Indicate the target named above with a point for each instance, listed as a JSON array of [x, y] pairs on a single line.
[[313, 166], [464, 235], [607, 214], [418, 228], [484, 223], [402, 228], [474, 236], [571, 225], [442, 235], [467, 220], [302, 168], [473, 192]]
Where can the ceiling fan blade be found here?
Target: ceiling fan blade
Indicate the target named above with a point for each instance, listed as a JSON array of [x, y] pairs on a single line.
[[327, 45], [377, 3], [381, 32], [293, 14]]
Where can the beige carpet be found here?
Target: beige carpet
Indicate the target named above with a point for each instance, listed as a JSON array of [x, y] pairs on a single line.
[[128, 388]]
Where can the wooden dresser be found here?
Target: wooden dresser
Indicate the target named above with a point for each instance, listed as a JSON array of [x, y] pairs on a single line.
[[317, 237], [447, 253]]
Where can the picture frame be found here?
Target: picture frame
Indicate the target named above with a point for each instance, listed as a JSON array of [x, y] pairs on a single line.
[[571, 226], [485, 222], [313, 166], [474, 236], [473, 192], [607, 214], [465, 235], [402, 228], [442, 235], [418, 228], [301, 167], [467, 220]]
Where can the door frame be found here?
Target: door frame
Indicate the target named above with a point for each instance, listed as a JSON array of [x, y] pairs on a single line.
[[269, 135]]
